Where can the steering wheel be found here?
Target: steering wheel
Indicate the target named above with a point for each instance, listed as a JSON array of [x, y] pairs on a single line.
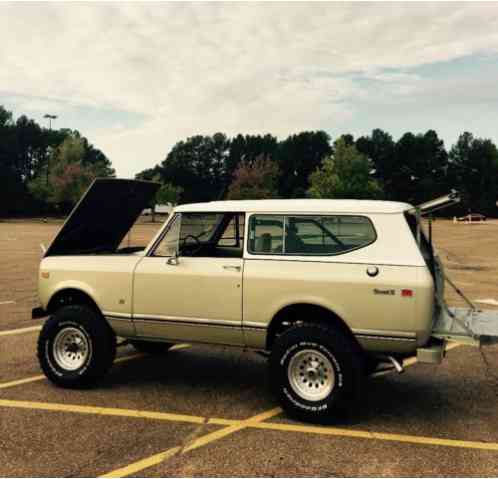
[[193, 248]]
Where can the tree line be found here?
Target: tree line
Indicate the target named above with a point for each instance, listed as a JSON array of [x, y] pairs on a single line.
[[44, 171], [414, 169]]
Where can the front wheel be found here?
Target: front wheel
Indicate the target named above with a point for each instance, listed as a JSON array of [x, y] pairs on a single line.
[[76, 347], [316, 371]]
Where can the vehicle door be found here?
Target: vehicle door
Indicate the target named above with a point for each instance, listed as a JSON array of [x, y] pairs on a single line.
[[189, 286]]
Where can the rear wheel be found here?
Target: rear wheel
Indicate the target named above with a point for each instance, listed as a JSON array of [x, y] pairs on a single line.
[[316, 371], [76, 347], [151, 347]]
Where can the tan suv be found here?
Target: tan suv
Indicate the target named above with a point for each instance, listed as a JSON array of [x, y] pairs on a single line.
[[333, 290]]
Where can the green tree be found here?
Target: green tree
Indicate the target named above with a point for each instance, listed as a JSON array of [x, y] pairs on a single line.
[[345, 174], [69, 176], [379, 147], [419, 173], [254, 180], [13, 195], [474, 168], [197, 165], [247, 148], [298, 156], [168, 193]]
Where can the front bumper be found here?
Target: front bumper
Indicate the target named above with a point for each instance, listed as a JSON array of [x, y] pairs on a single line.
[[37, 313]]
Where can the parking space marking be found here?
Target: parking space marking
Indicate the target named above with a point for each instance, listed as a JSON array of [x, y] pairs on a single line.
[[121, 359], [20, 331], [234, 425], [144, 464], [102, 411], [199, 442], [40, 377], [18, 382], [405, 438]]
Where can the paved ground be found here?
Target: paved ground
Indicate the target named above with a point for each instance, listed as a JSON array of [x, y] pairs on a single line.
[[208, 411]]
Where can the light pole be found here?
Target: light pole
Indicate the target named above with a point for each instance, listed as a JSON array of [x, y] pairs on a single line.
[[50, 118]]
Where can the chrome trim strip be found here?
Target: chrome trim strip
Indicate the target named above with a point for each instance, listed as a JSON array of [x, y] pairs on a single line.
[[186, 319], [165, 322], [384, 338], [254, 325], [114, 315], [379, 332], [114, 318]]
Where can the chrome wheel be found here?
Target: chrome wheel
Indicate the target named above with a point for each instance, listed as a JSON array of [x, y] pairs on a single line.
[[311, 375], [71, 349]]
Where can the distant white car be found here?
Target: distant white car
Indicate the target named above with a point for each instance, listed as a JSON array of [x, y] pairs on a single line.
[[472, 217], [159, 210], [164, 209]]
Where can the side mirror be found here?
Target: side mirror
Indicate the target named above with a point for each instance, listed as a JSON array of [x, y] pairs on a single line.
[[173, 260]]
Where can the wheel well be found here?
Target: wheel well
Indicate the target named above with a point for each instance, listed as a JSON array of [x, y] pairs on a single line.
[[311, 313], [70, 296]]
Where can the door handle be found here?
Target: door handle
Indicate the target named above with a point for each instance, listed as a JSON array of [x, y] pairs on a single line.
[[231, 268]]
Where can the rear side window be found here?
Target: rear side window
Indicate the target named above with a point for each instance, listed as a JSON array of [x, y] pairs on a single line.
[[309, 235], [266, 234]]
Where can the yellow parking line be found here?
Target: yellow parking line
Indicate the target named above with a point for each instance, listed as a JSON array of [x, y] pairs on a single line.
[[122, 359], [39, 377], [331, 431], [144, 464], [106, 411], [199, 442], [18, 382], [176, 347], [103, 411], [20, 330], [233, 425]]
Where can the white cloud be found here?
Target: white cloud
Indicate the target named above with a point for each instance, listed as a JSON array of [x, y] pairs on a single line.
[[196, 68]]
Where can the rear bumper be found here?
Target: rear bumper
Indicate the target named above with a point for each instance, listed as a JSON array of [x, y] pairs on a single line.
[[37, 313]]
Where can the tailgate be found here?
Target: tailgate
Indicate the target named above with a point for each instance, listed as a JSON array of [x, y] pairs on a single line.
[[467, 326]]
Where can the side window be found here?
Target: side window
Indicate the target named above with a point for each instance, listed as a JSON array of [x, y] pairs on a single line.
[[309, 235], [233, 236], [324, 235], [169, 243], [204, 235], [199, 227], [266, 234]]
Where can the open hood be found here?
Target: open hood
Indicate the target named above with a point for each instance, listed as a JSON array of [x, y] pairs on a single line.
[[103, 216]]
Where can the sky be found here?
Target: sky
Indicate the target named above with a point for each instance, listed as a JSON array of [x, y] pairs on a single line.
[[135, 78]]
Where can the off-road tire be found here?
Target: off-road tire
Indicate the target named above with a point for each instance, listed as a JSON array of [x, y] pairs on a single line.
[[98, 336], [151, 347], [335, 349]]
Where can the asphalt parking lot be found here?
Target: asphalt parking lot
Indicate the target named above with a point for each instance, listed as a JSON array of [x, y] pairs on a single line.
[[208, 411]]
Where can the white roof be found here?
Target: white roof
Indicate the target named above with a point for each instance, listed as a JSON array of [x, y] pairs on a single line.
[[297, 206]]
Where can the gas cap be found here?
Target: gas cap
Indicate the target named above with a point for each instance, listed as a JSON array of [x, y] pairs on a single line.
[[372, 271]]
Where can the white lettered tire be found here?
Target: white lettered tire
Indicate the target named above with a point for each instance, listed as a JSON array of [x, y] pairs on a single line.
[[76, 347], [316, 371]]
